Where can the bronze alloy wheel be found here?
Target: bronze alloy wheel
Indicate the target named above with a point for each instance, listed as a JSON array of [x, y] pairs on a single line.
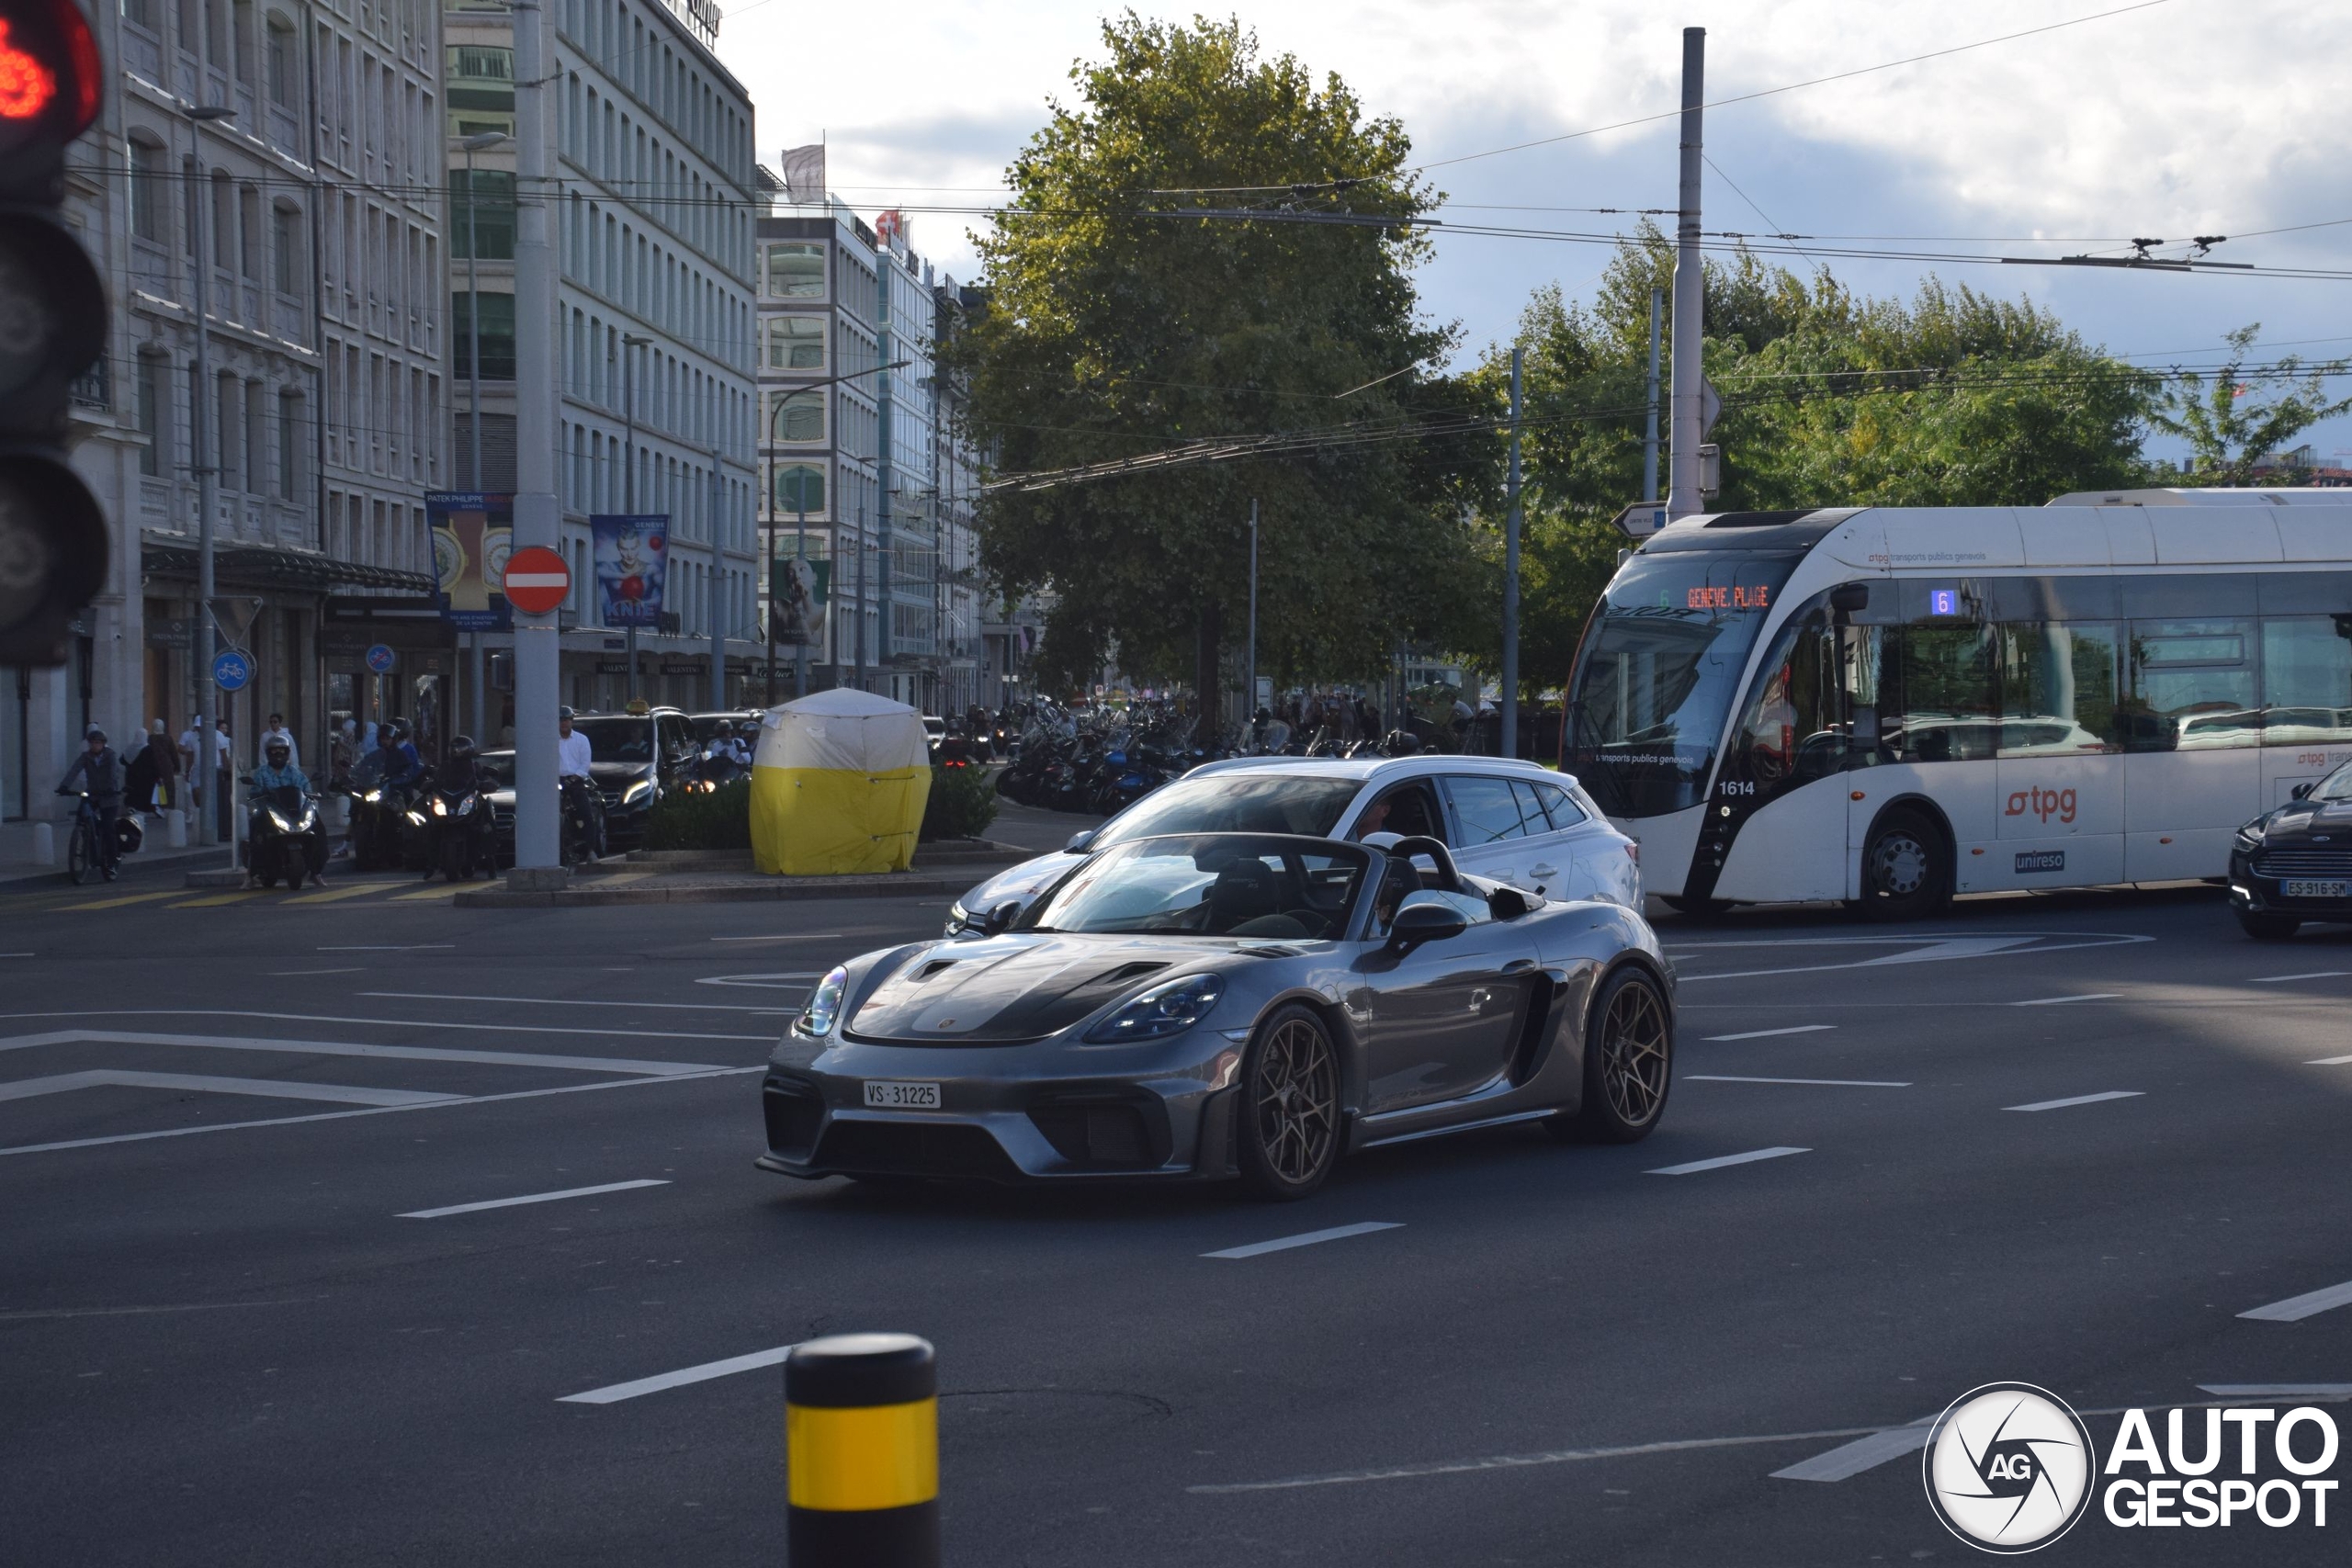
[[1294, 1106], [1633, 1045]]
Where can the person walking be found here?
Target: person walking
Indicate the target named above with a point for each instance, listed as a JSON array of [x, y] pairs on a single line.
[[168, 769], [100, 771]]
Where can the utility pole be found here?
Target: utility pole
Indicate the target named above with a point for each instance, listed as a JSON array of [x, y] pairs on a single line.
[[537, 517], [1649, 435], [473, 144], [714, 603], [860, 596], [1511, 575], [207, 482], [1689, 301], [1249, 691]]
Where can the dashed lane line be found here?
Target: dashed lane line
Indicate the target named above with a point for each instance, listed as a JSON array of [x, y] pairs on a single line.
[[573, 1003], [205, 1083], [1770, 1033], [346, 1048], [613, 1394], [384, 1022], [394, 947], [446, 1104], [2074, 1100], [2294, 1309], [1723, 1161], [2328, 1062], [2060, 1001], [1817, 1083], [2283, 979], [531, 1197], [1306, 1238]]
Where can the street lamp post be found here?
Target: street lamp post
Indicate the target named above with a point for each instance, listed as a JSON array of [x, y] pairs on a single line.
[[800, 551], [628, 465], [479, 141], [208, 473]]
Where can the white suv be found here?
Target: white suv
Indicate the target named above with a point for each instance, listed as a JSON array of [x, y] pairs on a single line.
[[1508, 820]]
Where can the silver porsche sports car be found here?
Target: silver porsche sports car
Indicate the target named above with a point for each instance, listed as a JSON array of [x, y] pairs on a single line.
[[1228, 1005]]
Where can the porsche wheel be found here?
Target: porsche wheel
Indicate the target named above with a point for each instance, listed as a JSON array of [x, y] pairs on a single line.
[[1290, 1107], [1628, 1063]]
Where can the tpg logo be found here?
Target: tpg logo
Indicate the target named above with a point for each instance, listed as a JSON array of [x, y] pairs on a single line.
[[2042, 803]]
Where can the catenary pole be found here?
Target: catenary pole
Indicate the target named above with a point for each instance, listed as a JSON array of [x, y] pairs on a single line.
[[1249, 691], [537, 515], [1510, 574], [1689, 301]]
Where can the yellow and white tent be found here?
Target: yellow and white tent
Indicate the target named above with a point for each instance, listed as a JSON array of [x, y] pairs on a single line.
[[839, 783]]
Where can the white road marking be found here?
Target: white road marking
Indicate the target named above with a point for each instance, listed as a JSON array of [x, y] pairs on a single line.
[[1720, 1161], [2314, 1391], [395, 947], [1305, 1238], [613, 1393], [574, 1002], [1821, 1083], [2315, 974], [377, 1023], [2294, 1309], [2328, 1062], [530, 1198], [1849, 1459], [373, 1111], [286, 973], [774, 982], [203, 1083], [342, 1048], [2056, 1001], [1769, 1033], [801, 936], [1926, 948], [2079, 1100]]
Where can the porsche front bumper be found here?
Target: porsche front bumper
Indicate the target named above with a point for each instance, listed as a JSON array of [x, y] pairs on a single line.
[[1049, 1110]]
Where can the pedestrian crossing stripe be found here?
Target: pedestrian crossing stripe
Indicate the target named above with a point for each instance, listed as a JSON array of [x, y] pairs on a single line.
[[423, 893], [127, 898], [236, 897], [352, 891]]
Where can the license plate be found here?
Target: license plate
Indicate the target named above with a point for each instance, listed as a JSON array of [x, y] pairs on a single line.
[[2312, 889], [902, 1095]]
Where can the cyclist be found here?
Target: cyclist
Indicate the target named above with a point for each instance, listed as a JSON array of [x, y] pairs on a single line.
[[100, 772], [277, 771], [575, 777]]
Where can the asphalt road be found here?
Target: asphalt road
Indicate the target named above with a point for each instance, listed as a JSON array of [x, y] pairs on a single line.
[[229, 1334]]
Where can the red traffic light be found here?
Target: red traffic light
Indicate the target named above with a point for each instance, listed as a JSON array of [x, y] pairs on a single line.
[[50, 79]]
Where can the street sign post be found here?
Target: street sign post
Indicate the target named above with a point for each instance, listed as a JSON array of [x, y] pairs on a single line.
[[536, 580], [1642, 519], [231, 671]]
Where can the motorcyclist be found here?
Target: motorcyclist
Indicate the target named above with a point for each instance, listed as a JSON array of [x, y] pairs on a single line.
[[402, 766], [463, 771], [725, 746], [277, 771]]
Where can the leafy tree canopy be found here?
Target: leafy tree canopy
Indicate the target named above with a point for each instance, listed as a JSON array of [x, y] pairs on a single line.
[[1115, 330], [2243, 417]]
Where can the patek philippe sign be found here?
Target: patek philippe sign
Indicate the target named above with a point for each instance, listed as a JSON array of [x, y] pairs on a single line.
[[703, 14]]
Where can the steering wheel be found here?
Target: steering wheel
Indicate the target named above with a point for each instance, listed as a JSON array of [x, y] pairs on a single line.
[[1449, 878]]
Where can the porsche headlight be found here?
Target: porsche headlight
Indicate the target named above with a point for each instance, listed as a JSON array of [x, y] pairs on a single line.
[[1163, 1010], [957, 919], [641, 790], [824, 1009]]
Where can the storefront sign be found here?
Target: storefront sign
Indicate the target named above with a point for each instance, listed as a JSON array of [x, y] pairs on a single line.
[[472, 534]]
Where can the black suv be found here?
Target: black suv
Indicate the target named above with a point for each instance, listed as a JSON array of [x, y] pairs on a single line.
[[635, 759]]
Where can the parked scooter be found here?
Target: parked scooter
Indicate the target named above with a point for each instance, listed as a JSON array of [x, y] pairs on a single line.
[[288, 839]]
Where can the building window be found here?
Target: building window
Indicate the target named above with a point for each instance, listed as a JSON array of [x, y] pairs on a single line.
[[798, 418], [154, 396], [796, 272], [795, 342], [490, 211], [286, 249], [497, 335], [150, 194], [281, 63], [800, 487], [290, 429]]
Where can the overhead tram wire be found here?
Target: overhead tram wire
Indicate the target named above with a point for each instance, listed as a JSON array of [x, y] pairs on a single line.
[[1790, 87]]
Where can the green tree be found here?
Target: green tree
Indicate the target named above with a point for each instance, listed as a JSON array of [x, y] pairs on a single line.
[[1116, 329], [2242, 416]]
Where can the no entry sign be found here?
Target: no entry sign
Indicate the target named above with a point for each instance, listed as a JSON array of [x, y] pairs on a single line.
[[536, 580]]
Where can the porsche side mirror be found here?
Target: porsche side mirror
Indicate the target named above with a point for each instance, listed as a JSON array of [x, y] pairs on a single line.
[[2301, 790], [1417, 923], [1078, 841], [999, 920]]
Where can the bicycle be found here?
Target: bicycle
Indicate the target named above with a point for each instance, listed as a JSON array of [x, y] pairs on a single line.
[[84, 853]]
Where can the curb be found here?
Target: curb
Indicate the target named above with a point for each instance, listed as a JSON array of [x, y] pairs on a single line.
[[779, 891]]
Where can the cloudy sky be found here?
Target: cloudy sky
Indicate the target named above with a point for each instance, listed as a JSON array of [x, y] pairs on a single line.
[[2172, 120]]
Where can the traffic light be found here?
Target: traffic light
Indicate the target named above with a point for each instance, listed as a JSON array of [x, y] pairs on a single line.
[[52, 326]]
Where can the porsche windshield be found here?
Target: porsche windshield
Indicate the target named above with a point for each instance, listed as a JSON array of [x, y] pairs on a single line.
[[1209, 884], [1229, 803], [1660, 665]]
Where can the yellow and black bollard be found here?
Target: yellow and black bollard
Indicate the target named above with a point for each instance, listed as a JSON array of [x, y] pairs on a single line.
[[861, 1452]]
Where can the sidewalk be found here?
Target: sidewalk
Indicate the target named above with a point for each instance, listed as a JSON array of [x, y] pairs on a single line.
[[725, 876]]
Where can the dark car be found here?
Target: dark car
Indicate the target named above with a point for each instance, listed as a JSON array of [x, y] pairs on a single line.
[[636, 759], [2294, 864]]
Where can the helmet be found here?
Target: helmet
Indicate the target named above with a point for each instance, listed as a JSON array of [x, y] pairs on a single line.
[[278, 751], [563, 712], [462, 749], [722, 731], [389, 733], [94, 733]]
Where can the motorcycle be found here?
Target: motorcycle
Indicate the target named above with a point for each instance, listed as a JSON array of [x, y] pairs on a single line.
[[288, 840], [461, 830], [581, 834], [381, 820]]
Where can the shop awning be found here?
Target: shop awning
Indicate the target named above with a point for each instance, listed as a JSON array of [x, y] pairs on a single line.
[[270, 565]]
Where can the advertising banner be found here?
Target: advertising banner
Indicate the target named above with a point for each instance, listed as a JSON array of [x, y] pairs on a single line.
[[472, 535], [632, 561], [799, 591]]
